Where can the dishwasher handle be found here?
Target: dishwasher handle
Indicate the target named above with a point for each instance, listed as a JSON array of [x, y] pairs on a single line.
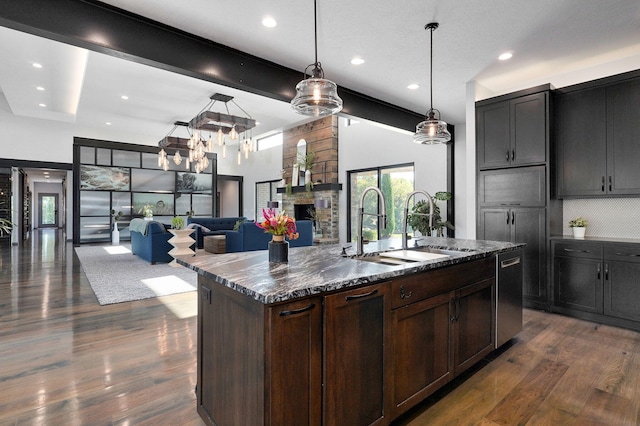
[[509, 262]]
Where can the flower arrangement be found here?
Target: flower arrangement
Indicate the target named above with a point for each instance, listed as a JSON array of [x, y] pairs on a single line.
[[278, 224], [578, 222]]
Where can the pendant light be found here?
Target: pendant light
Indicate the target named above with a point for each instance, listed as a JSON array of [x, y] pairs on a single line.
[[316, 96], [432, 130]]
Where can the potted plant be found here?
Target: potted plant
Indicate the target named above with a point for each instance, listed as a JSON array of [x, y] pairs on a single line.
[[115, 232], [6, 226], [306, 162], [177, 222], [147, 212], [578, 225], [420, 222]]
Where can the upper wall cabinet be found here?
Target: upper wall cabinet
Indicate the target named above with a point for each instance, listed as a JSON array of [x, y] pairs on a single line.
[[512, 132], [598, 141]]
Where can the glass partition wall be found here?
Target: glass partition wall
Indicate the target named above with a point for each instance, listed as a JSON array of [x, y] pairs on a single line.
[[113, 176]]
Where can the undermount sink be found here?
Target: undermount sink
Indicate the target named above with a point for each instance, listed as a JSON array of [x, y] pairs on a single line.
[[403, 257]]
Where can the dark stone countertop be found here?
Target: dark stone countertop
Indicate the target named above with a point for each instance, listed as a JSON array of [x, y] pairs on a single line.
[[319, 269]]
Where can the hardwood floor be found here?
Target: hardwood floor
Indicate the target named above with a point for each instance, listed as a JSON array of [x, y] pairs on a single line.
[[66, 360]]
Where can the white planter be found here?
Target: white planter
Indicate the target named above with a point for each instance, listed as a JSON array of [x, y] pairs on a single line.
[[578, 232]]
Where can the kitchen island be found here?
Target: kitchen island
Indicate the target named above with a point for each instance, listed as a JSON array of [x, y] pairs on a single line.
[[331, 339]]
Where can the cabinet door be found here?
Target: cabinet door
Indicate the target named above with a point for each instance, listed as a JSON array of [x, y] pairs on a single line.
[[294, 363], [473, 324], [529, 129], [492, 135], [420, 350], [355, 374], [494, 224], [623, 138], [581, 142], [578, 283], [521, 186], [622, 290], [528, 226]]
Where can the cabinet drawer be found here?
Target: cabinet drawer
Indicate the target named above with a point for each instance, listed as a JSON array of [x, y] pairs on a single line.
[[413, 288], [622, 253], [515, 187], [582, 250]]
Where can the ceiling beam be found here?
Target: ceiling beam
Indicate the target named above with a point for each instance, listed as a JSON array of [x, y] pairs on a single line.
[[103, 28]]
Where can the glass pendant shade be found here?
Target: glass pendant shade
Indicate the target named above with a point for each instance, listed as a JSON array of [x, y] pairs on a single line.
[[431, 131], [316, 97], [219, 137], [233, 134]]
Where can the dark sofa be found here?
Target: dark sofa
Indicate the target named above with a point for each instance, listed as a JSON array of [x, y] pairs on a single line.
[[250, 237], [212, 226], [150, 241]]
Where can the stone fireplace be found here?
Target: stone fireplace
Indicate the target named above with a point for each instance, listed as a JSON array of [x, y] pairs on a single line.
[[321, 137]]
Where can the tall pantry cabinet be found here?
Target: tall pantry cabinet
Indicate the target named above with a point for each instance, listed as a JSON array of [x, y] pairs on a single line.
[[514, 187]]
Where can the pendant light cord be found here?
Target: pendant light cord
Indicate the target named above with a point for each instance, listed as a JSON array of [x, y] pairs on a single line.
[[315, 28], [431, 72]]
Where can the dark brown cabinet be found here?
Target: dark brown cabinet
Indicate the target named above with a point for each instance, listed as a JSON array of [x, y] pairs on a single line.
[[598, 140], [442, 322], [521, 225], [599, 279], [354, 372], [251, 356], [473, 320], [512, 132]]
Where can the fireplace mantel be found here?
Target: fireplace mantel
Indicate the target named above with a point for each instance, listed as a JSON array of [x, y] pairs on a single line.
[[316, 187]]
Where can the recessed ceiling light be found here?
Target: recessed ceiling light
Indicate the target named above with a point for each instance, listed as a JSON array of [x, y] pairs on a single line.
[[46, 173], [269, 22], [505, 56], [357, 61], [413, 86], [108, 123], [124, 97], [40, 88], [37, 65], [42, 105]]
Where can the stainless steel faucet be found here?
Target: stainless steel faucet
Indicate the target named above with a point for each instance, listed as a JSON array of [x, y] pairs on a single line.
[[406, 215], [383, 215]]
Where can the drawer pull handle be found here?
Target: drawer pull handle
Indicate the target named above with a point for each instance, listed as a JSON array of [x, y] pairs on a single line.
[[602, 188], [576, 251], [404, 295], [599, 271], [606, 272], [610, 185], [510, 262], [297, 311], [360, 296], [507, 156], [628, 254]]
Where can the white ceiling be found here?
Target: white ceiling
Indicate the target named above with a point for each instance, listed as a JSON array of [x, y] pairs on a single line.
[[548, 38]]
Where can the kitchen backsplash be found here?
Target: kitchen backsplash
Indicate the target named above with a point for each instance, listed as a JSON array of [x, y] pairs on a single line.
[[607, 217]]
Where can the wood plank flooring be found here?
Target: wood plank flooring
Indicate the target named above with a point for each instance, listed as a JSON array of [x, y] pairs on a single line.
[[66, 360]]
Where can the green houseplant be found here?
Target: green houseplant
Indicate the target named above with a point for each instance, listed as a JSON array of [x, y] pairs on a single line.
[[421, 223], [6, 226], [177, 222], [578, 226]]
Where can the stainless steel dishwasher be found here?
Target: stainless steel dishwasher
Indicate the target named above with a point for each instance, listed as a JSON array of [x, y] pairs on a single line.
[[509, 300]]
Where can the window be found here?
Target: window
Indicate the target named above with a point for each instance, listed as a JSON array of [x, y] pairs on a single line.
[[270, 141], [266, 191], [395, 182]]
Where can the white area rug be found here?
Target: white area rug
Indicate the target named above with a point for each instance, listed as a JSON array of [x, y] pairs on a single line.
[[116, 275]]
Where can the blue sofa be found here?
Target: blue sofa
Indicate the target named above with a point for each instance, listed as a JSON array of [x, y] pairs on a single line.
[[250, 237], [150, 241], [212, 225]]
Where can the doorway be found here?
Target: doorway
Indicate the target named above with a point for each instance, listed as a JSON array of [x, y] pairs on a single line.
[[48, 210]]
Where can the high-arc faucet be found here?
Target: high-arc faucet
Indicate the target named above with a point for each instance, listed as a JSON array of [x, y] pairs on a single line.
[[383, 215], [406, 214]]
